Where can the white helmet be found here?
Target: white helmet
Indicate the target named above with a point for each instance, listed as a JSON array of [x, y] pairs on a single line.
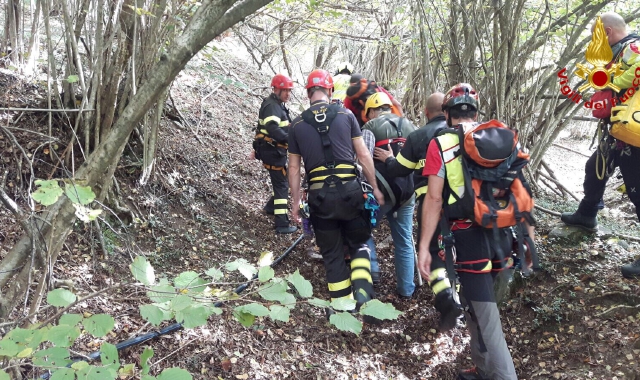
[[345, 66]]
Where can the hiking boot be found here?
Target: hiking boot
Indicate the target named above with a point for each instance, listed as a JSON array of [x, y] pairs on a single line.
[[471, 374], [286, 229], [375, 277], [405, 298], [631, 270], [576, 219], [449, 309]]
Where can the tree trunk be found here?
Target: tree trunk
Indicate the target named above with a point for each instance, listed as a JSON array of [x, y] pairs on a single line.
[[34, 41], [209, 20]]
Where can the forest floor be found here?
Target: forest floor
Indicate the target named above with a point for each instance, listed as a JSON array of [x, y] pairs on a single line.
[[576, 319]]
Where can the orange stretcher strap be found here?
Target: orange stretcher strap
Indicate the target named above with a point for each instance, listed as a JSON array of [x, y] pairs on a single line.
[[276, 168], [271, 141]]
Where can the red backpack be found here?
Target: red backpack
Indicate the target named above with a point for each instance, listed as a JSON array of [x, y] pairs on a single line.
[[494, 196]]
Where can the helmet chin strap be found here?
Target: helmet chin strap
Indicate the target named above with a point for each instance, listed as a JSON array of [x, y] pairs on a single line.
[[449, 123], [278, 92]]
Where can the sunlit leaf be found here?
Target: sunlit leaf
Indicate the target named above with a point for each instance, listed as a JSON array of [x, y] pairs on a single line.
[[180, 302], [266, 259], [154, 314], [144, 359], [63, 374], [215, 274], [73, 78], [53, 357], [79, 194], [162, 292], [245, 319], [99, 325], [265, 274], [127, 370], [47, 193], [302, 285], [253, 309], [63, 335], [86, 214], [343, 304], [193, 316], [79, 365], [346, 322], [279, 313], [174, 374], [189, 280], [242, 266], [70, 319], [60, 298], [318, 302], [380, 310], [109, 356], [25, 353], [142, 270]]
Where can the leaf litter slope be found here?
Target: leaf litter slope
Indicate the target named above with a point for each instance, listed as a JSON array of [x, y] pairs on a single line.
[[203, 210], [554, 323]]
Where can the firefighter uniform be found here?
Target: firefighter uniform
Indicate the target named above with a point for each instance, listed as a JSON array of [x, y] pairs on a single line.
[[625, 156], [270, 145], [335, 196]]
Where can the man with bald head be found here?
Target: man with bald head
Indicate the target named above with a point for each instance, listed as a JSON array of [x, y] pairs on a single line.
[[626, 51], [409, 160]]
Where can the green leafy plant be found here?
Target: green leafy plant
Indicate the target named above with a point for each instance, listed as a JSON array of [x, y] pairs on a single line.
[[190, 299], [49, 191]]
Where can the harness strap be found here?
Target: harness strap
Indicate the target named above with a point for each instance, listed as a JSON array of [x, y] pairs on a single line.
[[398, 127], [276, 168], [270, 141], [492, 218], [387, 187], [449, 250], [391, 141], [474, 266], [342, 169], [500, 265], [321, 121]]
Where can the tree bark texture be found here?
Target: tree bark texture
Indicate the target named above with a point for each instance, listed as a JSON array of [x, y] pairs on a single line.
[[209, 20]]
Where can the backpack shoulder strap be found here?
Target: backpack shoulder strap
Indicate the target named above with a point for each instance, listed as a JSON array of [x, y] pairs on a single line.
[[398, 126]]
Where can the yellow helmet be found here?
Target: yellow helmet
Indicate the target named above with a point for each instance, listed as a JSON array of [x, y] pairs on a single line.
[[377, 100]]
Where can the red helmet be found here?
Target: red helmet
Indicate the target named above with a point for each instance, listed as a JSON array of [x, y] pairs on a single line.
[[281, 81], [319, 78], [461, 93]]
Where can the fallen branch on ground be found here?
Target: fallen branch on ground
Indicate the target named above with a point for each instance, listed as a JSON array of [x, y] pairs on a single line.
[[570, 150]]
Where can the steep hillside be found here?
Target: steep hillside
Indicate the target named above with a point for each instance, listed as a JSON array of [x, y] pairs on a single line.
[[576, 319]]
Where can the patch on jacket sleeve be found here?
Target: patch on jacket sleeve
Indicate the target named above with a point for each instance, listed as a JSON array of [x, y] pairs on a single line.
[[631, 54]]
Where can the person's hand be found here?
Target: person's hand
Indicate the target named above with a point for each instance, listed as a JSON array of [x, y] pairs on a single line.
[[382, 154], [379, 197], [252, 155], [295, 213], [424, 263]]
